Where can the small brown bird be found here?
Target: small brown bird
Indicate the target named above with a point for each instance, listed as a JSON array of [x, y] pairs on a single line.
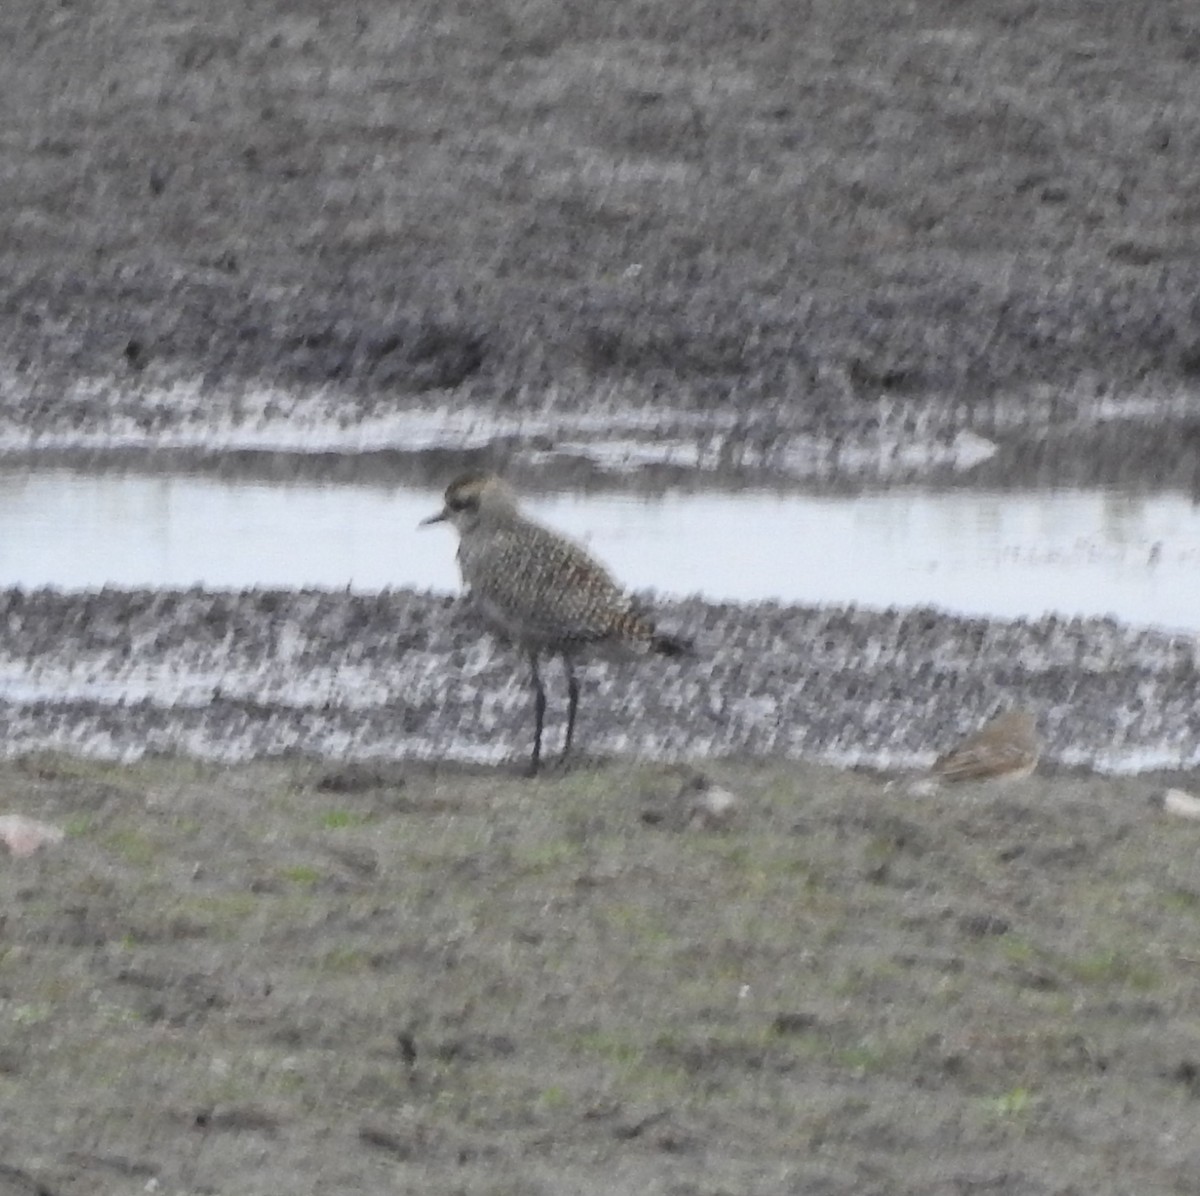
[[1006, 747], [542, 590]]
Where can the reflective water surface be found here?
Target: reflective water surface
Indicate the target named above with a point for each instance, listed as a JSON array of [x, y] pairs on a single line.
[[1000, 554]]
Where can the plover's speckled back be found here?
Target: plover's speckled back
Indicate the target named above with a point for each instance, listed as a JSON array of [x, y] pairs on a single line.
[[1006, 747], [542, 590]]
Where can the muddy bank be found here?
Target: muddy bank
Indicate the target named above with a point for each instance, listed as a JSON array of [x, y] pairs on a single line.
[[1140, 442], [400, 674], [826, 222]]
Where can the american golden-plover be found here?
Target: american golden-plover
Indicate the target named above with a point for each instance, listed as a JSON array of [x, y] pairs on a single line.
[[1006, 747], [542, 591]]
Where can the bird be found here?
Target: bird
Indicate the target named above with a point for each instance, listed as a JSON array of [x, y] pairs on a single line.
[[1005, 747], [543, 591]]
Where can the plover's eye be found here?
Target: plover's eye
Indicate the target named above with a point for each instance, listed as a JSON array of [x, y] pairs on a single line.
[[463, 502]]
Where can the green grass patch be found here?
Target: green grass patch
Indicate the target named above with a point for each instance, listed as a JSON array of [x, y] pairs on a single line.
[[62, 766], [1017, 950], [862, 1057], [300, 874], [549, 855], [637, 923], [610, 1046], [133, 846], [862, 978], [553, 1098], [1013, 1104], [28, 1013], [1112, 966], [638, 1071], [1179, 900], [344, 960], [337, 820], [51, 765], [221, 914]]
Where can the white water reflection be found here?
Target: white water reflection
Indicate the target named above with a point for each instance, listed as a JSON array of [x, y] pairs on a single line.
[[1001, 554]]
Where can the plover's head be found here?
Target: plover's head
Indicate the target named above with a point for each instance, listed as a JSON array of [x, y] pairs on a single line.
[[474, 498]]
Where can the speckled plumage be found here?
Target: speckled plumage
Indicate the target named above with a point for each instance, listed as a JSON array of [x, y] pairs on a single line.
[[1006, 747], [541, 589]]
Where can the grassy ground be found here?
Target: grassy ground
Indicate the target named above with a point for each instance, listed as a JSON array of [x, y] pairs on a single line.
[[295, 977]]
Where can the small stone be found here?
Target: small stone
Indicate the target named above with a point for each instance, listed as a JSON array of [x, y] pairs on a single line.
[[1181, 803], [23, 836], [710, 806]]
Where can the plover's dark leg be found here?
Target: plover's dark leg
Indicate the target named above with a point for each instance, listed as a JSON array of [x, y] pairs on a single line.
[[539, 711], [572, 701]]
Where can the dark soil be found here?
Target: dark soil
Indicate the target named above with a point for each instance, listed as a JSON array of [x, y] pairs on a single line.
[[825, 217]]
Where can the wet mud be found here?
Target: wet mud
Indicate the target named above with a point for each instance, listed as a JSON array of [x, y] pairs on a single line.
[[234, 675], [843, 236]]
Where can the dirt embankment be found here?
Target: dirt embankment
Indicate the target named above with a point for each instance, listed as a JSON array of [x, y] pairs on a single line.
[[827, 218]]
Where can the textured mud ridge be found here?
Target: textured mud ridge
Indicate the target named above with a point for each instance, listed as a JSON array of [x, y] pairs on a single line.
[[399, 674], [1140, 438], [620, 440]]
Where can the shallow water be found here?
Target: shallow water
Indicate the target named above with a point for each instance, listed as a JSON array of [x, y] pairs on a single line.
[[996, 554]]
